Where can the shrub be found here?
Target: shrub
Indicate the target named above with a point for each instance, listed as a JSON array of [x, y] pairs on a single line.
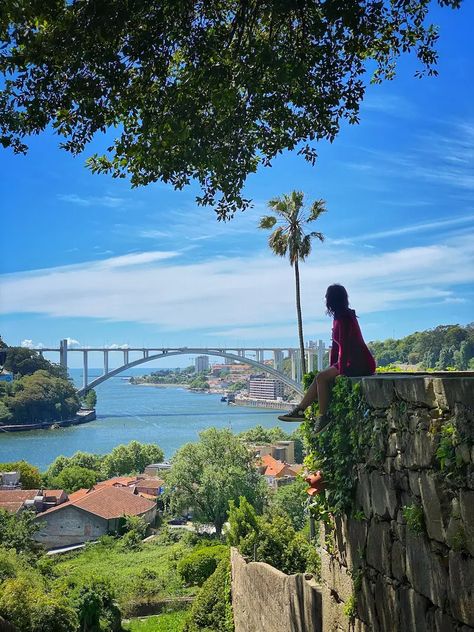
[[196, 567], [212, 609]]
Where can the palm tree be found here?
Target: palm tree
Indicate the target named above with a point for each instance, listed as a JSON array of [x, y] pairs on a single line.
[[289, 239]]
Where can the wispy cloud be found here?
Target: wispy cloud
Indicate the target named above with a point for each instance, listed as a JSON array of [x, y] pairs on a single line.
[[29, 344], [392, 105], [412, 228], [108, 201], [154, 234], [253, 296]]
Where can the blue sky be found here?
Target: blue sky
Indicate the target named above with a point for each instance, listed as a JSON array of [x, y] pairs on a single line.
[[86, 257]]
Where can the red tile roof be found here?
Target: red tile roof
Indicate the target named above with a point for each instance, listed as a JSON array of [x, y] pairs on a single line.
[[108, 503], [79, 494], [117, 481], [13, 499]]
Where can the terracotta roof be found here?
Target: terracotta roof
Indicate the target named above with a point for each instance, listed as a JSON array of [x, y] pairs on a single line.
[[78, 494], [108, 503], [117, 481], [56, 493], [150, 483], [13, 499]]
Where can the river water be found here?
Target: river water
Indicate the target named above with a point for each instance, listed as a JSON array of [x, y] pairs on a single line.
[[168, 416]]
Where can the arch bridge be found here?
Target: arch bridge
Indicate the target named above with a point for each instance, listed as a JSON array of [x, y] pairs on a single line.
[[314, 359]]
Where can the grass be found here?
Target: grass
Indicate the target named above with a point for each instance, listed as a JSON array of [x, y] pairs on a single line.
[[138, 577], [169, 622]]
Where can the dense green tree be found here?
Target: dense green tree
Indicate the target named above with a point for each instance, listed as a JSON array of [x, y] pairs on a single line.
[[290, 239], [201, 91], [95, 604], [291, 500], [90, 399], [30, 477], [17, 532], [199, 382], [259, 434], [23, 361], [130, 458], [208, 474], [79, 459], [73, 478]]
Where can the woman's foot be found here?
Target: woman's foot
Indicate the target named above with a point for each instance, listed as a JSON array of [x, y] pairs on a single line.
[[297, 414], [321, 423]]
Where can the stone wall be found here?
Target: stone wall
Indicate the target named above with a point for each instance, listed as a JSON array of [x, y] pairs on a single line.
[[266, 600], [404, 559]]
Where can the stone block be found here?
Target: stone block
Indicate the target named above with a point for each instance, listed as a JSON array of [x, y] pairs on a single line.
[[413, 608], [384, 498], [440, 621], [416, 390], [386, 605], [461, 587], [430, 499], [450, 391], [378, 546], [398, 563], [414, 482], [420, 450], [363, 491], [394, 444], [379, 392], [466, 507], [366, 605], [425, 569], [355, 535]]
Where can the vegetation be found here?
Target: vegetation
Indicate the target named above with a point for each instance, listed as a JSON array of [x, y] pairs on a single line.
[[196, 567], [212, 609], [206, 475], [90, 399], [229, 87], [30, 477], [166, 376], [291, 500], [73, 478], [17, 532], [40, 392], [270, 538], [415, 518], [444, 347], [122, 460], [290, 239], [167, 622]]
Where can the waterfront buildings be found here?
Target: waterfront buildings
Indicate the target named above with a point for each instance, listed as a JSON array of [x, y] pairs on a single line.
[[264, 388], [201, 364]]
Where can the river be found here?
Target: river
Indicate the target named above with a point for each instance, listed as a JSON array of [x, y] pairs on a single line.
[[169, 417]]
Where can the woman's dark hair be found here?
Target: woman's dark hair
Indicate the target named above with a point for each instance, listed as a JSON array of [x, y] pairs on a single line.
[[337, 300]]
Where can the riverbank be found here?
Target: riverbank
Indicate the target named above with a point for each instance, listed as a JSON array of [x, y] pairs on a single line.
[[83, 416], [262, 403]]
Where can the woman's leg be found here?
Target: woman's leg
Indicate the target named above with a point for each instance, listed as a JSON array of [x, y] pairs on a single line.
[[325, 380], [319, 390]]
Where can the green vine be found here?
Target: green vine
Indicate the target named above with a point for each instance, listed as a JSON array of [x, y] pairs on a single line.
[[338, 449], [415, 518]]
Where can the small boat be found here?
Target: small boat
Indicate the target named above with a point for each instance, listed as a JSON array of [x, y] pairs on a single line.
[[223, 399]]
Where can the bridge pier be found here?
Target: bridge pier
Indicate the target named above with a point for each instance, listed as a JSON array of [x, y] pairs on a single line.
[[85, 378], [106, 361], [63, 353]]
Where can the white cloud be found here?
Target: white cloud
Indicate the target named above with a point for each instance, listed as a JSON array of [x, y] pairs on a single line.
[[117, 346], [71, 342], [108, 201], [240, 297], [29, 344]]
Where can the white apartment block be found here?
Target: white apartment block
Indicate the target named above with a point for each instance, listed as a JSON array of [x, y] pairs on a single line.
[[262, 388], [201, 364]]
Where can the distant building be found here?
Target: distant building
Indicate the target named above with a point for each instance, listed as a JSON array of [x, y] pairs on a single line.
[[10, 480], [276, 472], [201, 364], [154, 469], [37, 500], [264, 388], [280, 450]]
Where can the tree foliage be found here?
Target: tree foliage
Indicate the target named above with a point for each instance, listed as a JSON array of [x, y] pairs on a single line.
[[30, 477], [290, 500], [73, 478], [17, 532], [24, 361], [259, 434], [130, 458], [198, 565], [208, 474], [439, 348], [204, 91]]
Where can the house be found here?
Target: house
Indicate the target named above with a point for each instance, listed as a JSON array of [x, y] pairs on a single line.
[[10, 480], [154, 468], [87, 516], [280, 450], [16, 500], [276, 472]]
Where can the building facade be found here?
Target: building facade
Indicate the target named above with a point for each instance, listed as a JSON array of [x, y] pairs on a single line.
[[201, 364], [265, 388]]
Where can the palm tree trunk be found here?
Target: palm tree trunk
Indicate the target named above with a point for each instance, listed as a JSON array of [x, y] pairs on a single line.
[[300, 320]]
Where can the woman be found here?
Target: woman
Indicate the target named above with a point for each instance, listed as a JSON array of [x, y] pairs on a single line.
[[349, 356]]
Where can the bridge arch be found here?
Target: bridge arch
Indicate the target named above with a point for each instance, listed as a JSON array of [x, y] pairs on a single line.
[[212, 352]]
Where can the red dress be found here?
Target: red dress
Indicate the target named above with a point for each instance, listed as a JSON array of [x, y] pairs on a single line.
[[349, 353]]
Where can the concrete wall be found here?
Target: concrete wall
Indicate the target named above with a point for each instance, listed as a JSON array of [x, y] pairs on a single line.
[[266, 600], [407, 581], [69, 526]]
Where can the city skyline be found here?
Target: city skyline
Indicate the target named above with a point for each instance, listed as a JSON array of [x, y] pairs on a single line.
[[88, 258]]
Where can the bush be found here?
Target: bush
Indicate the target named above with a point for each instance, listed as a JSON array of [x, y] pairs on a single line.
[[196, 567], [212, 609]]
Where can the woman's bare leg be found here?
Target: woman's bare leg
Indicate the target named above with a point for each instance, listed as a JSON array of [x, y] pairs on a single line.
[[320, 389]]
